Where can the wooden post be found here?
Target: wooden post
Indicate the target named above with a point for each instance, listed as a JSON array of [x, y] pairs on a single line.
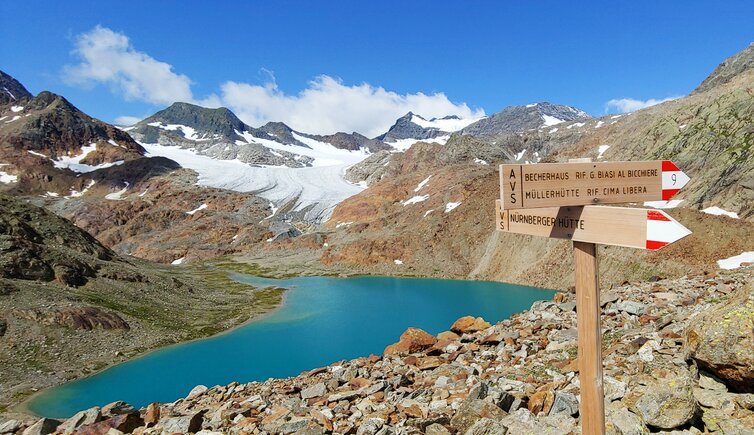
[[592, 409]]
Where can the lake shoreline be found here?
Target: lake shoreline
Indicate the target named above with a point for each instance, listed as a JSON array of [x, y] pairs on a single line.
[[23, 409], [427, 290]]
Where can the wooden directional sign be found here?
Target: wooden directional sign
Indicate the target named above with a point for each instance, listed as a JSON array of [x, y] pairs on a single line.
[[569, 184], [619, 226]]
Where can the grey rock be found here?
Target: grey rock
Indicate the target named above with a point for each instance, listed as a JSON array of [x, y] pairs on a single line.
[[567, 306], [632, 307], [183, 424], [487, 426], [371, 426], [10, 426], [436, 429], [345, 395], [565, 403], [710, 382], [608, 297], [315, 390], [472, 410], [667, 403], [620, 420], [81, 418], [43, 426], [196, 392], [614, 389], [284, 427]]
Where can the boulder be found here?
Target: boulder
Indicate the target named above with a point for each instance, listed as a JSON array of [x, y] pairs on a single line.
[[196, 392], [721, 341], [436, 429], [125, 423], [473, 410], [81, 418], [315, 390], [621, 421], [665, 403], [412, 341], [10, 426], [469, 324], [183, 424], [43, 426], [565, 403], [152, 414], [487, 426], [117, 408]]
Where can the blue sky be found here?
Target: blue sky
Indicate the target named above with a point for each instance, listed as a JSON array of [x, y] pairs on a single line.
[[266, 60]]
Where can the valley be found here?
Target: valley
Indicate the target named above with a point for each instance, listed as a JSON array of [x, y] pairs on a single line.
[[119, 240]]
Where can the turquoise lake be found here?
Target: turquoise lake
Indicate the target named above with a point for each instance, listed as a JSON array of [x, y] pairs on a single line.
[[323, 320]]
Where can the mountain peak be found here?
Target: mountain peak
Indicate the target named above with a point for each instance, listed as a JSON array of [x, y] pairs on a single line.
[[12, 90], [516, 119], [728, 69]]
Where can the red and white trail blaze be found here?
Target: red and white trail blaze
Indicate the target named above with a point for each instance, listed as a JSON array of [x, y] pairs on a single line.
[[673, 179], [663, 230]]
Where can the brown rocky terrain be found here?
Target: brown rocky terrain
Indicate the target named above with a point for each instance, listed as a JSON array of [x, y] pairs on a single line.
[[518, 376]]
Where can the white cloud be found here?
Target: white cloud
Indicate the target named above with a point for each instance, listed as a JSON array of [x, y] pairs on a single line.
[[325, 106], [328, 106], [108, 57], [625, 105], [127, 120]]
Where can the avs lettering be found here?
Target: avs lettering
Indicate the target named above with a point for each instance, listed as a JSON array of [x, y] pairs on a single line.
[[572, 184]]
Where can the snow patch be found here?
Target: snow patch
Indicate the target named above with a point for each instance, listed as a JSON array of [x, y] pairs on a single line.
[[447, 125], [343, 224], [717, 211], [7, 178], [316, 189], [52, 194], [274, 210], [414, 200], [551, 120], [599, 124], [13, 119], [398, 262], [601, 150], [735, 261], [520, 155], [201, 207], [178, 261], [426, 213], [673, 203], [553, 130], [682, 126], [422, 184], [115, 144], [451, 206], [141, 195], [74, 162], [479, 161], [188, 132], [404, 144], [531, 105], [16, 109], [76, 194], [576, 124], [116, 196]]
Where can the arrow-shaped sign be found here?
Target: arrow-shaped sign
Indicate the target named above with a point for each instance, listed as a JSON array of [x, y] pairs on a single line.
[[569, 184], [619, 226]]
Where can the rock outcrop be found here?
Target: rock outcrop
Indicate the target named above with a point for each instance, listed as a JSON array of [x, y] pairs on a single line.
[[722, 341]]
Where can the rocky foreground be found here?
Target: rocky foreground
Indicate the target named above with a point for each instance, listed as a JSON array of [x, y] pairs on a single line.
[[678, 358]]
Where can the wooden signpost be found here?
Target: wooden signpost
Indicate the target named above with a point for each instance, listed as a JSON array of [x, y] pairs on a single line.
[[557, 197], [559, 184]]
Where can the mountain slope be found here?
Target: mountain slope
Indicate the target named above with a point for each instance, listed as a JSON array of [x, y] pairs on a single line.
[[412, 128], [516, 119], [728, 69], [70, 306], [11, 90]]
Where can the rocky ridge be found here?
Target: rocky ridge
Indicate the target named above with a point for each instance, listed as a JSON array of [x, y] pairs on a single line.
[[518, 376], [11, 90]]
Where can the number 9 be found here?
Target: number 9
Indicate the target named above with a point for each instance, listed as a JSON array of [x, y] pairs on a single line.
[[674, 178]]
